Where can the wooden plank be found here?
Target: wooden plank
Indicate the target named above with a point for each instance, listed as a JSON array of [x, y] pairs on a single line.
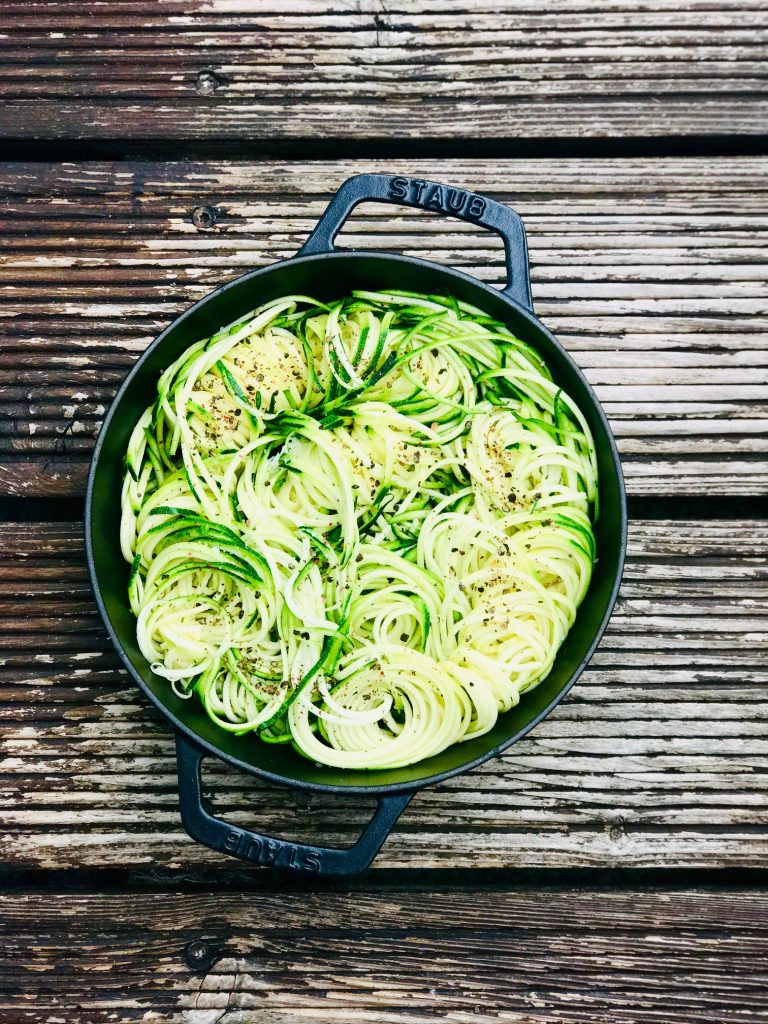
[[262, 69], [650, 271], [392, 956], [657, 758]]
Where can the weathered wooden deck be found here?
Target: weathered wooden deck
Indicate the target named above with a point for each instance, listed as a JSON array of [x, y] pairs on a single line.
[[609, 867]]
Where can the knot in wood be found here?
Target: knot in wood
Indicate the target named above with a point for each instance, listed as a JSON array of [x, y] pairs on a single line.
[[203, 216]]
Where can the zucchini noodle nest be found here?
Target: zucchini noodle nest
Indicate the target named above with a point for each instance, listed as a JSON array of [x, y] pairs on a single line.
[[361, 527]]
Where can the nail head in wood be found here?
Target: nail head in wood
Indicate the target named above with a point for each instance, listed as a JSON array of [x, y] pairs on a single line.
[[207, 83], [198, 955], [203, 216]]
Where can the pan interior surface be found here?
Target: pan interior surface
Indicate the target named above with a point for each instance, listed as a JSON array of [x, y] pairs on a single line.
[[327, 277]]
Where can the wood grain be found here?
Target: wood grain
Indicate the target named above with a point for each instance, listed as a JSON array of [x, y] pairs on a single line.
[[372, 69], [657, 758], [393, 956], [649, 270]]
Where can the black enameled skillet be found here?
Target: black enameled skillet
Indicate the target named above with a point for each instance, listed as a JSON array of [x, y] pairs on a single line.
[[321, 271]]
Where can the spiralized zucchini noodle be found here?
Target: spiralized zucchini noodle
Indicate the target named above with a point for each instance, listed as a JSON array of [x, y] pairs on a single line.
[[362, 527]]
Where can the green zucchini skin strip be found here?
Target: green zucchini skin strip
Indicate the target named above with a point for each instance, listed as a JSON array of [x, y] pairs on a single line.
[[362, 527]]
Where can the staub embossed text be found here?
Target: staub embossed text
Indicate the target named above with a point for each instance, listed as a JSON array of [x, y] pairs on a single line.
[[431, 196], [271, 852]]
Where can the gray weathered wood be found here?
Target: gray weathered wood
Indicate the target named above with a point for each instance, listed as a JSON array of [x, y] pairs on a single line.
[[372, 70], [392, 956], [657, 758], [650, 271]]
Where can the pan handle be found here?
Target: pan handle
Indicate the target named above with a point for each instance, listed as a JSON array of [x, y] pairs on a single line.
[[205, 828], [437, 198]]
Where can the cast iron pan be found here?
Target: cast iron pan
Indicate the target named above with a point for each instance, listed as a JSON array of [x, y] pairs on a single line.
[[322, 271]]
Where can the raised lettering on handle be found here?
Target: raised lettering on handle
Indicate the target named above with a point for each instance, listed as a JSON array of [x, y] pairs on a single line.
[[442, 198], [270, 852]]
